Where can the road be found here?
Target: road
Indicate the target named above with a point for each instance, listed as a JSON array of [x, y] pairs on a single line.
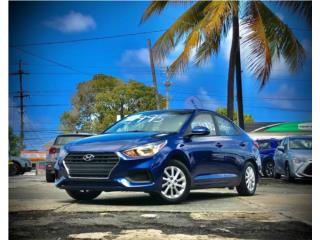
[[278, 210]]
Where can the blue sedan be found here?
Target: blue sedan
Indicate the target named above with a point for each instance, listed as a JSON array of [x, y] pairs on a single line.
[[165, 153]]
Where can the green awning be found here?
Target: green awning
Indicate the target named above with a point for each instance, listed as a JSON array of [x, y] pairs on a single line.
[[290, 127]]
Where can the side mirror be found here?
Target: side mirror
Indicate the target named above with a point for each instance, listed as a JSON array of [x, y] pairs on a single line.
[[280, 148], [200, 131]]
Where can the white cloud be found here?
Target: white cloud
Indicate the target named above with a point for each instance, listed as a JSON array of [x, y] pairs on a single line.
[[207, 102], [73, 22], [135, 57]]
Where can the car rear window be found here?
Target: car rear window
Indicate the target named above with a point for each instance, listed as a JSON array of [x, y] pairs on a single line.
[[264, 144], [62, 140]]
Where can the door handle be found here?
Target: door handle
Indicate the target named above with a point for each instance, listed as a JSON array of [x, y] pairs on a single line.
[[219, 145], [242, 144]]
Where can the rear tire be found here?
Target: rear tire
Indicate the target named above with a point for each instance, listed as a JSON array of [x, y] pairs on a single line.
[[175, 185], [268, 169], [50, 177], [249, 179], [83, 195]]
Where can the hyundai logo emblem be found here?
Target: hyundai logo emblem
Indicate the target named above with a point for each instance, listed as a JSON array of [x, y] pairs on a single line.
[[88, 157]]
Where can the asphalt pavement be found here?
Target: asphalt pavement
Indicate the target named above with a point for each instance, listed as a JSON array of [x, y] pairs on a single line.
[[278, 210]]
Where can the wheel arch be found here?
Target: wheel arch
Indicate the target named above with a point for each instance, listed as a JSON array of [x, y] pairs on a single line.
[[181, 157]]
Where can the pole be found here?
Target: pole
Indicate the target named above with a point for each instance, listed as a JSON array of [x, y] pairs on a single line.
[[21, 96], [167, 84], [21, 105], [154, 79]]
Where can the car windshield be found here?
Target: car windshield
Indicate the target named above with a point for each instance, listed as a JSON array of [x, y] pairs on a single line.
[[62, 140], [151, 122], [300, 143]]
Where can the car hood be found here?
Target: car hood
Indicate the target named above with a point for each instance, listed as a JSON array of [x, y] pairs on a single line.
[[304, 154], [114, 142]]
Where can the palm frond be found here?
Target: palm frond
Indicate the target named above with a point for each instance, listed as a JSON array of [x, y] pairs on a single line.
[[255, 41], [178, 30], [304, 8], [156, 7], [217, 21], [267, 37], [190, 43]]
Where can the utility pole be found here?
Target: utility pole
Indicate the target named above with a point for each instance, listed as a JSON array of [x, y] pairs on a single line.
[[154, 79], [167, 84], [21, 96]]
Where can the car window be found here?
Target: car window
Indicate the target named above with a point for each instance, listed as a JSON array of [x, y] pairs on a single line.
[[204, 120], [300, 143], [226, 128], [264, 145]]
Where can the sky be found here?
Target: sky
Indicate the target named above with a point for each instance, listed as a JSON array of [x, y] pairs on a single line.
[[119, 48]]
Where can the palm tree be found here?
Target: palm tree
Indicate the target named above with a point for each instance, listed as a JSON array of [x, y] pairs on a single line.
[[265, 37]]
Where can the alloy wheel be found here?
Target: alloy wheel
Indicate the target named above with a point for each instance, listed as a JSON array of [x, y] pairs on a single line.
[[250, 178], [173, 182], [269, 169]]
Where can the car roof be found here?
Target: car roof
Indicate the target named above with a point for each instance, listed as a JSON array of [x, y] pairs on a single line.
[[74, 134], [185, 110], [300, 136]]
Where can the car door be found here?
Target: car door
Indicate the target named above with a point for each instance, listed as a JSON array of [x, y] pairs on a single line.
[[203, 151], [233, 148], [280, 156]]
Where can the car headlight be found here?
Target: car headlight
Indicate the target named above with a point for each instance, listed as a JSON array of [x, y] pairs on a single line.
[[146, 150], [299, 160], [62, 154]]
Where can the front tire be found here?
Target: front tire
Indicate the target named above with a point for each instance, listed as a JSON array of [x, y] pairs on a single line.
[[83, 195], [175, 185], [248, 183], [16, 169], [288, 173]]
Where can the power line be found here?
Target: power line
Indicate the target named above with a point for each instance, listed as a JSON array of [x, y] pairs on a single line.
[[51, 61], [85, 39]]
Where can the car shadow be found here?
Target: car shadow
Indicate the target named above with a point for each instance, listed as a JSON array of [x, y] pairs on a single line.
[[146, 200]]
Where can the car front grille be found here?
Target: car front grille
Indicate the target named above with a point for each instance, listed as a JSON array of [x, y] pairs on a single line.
[[308, 169], [98, 167]]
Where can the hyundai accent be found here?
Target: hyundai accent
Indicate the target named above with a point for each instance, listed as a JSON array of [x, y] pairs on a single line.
[[165, 153]]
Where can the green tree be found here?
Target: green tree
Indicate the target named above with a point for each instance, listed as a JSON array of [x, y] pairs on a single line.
[[97, 103], [14, 143], [247, 117], [265, 37]]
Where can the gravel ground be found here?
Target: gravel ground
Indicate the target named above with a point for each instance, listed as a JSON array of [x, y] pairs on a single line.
[[279, 210]]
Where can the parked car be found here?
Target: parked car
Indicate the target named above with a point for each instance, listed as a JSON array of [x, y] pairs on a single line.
[[267, 147], [19, 165], [55, 149], [293, 158], [165, 153]]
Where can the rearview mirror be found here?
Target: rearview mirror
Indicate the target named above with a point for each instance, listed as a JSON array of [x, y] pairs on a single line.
[[200, 131]]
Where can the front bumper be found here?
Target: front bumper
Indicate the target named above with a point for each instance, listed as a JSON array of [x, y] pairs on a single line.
[[127, 175], [304, 170]]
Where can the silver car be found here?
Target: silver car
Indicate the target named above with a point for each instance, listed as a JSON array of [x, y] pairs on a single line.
[[293, 158]]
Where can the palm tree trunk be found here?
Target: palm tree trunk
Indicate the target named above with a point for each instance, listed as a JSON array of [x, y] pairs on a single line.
[[232, 61], [238, 75]]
